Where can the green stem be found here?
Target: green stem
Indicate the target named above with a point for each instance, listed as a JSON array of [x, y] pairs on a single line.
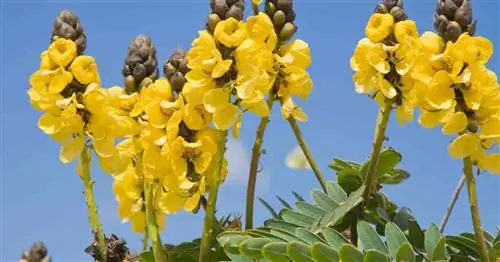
[[450, 207], [213, 188], [145, 240], [91, 206], [378, 140], [474, 209], [154, 232], [302, 143], [254, 166]]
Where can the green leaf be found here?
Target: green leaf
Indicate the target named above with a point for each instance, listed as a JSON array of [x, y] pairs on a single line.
[[296, 218], [147, 256], [334, 238], [416, 235], [394, 177], [299, 252], [285, 235], [307, 236], [339, 164], [439, 251], [405, 253], [369, 237], [323, 200], [465, 244], [389, 158], [337, 214], [297, 196], [310, 210], [395, 238], [268, 207], [231, 241], [348, 253], [323, 253], [403, 218], [432, 237], [252, 247], [336, 192], [280, 225], [262, 232], [276, 252], [349, 179], [283, 202], [376, 256]]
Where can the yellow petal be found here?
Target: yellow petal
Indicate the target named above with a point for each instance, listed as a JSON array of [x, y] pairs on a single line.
[[237, 127], [50, 124], [105, 147], [386, 87], [225, 115], [463, 146], [192, 202], [377, 57], [491, 129], [60, 81], [171, 203], [491, 162], [179, 166], [72, 149], [221, 68], [215, 98], [456, 124]]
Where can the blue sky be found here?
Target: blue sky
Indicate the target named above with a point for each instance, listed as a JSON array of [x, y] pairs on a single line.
[[42, 199]]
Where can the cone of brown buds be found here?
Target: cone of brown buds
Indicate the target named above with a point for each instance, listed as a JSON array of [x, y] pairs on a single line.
[[454, 17], [175, 68], [37, 253], [224, 9], [141, 65], [67, 25], [116, 249], [283, 16], [394, 7]]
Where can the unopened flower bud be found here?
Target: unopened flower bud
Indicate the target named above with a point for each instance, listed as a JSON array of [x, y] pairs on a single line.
[[471, 29], [130, 85], [285, 5], [231, 2], [270, 9], [448, 8], [177, 82], [290, 16], [235, 12], [279, 18], [183, 67], [381, 9], [169, 70], [37, 253], [440, 23], [146, 82], [399, 14], [463, 15], [287, 32], [139, 72], [67, 25], [458, 2], [389, 4], [220, 8], [213, 20], [400, 4], [453, 31], [472, 127]]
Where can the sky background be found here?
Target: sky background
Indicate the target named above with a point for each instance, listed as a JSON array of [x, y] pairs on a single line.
[[42, 199]]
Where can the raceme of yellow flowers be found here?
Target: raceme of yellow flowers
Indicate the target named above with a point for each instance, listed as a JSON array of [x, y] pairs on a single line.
[[449, 82], [163, 136]]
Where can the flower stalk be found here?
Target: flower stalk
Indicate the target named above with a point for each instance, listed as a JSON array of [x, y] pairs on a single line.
[[302, 143], [453, 201], [254, 166], [152, 225], [91, 205], [474, 209], [214, 182], [378, 141]]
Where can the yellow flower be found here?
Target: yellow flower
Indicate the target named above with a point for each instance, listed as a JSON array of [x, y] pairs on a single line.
[[230, 32], [297, 82], [71, 149], [464, 146], [404, 57], [199, 153], [406, 31], [50, 81], [476, 49], [431, 43], [379, 27], [216, 101], [256, 103], [196, 117], [366, 82], [84, 68], [456, 124], [441, 95], [297, 53], [450, 61], [490, 129], [290, 109], [377, 57], [46, 62], [62, 51], [260, 28], [359, 61]]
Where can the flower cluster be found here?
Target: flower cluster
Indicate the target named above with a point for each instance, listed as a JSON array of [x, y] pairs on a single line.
[[458, 91]]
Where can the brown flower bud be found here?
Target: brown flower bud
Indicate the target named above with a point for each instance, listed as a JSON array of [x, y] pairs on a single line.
[[440, 23], [279, 18], [220, 8], [290, 16], [141, 60], [399, 14], [37, 253], [287, 32], [169, 70], [67, 25], [463, 15], [453, 31], [235, 12], [472, 127], [389, 4], [145, 82], [381, 9], [458, 2], [231, 2], [448, 8], [213, 20], [177, 82], [285, 5], [130, 85], [270, 9], [400, 4]]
